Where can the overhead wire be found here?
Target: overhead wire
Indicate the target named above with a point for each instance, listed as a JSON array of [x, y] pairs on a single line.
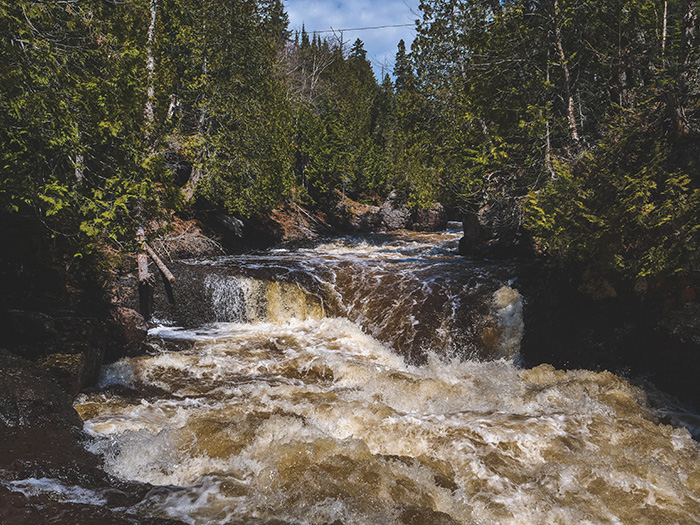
[[360, 28], [368, 28]]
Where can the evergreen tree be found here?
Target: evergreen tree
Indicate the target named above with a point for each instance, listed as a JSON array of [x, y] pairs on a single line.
[[72, 119], [235, 119]]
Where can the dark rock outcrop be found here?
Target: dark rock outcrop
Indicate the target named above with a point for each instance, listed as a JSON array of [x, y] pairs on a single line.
[[583, 320], [493, 228], [394, 216], [41, 437], [429, 219]]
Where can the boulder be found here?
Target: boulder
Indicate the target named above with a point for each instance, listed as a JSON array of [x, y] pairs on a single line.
[[429, 219], [130, 329], [355, 217], [393, 215]]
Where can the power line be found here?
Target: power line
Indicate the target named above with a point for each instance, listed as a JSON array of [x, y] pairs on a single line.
[[360, 28]]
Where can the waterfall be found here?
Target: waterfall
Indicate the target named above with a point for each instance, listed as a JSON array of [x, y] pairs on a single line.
[[414, 294], [375, 381]]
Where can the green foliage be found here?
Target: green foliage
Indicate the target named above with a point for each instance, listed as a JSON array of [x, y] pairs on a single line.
[[590, 108], [631, 206], [340, 121], [218, 60], [71, 137]]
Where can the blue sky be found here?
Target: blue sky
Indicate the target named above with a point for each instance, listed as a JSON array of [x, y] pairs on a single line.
[[321, 15]]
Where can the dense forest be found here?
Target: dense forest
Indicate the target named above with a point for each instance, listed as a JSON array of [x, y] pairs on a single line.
[[584, 117]]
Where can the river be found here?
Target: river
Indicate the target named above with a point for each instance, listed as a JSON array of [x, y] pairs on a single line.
[[376, 381]]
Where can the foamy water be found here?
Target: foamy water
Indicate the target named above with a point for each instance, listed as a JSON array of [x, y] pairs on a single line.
[[302, 417]]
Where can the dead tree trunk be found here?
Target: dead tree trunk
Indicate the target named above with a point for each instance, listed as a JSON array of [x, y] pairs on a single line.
[[159, 263], [142, 259]]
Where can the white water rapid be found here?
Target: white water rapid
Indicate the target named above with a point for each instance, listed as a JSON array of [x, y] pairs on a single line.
[[299, 406]]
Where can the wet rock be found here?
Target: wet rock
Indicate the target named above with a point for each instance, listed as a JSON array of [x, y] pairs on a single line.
[[27, 396], [16, 507], [131, 329], [40, 432], [291, 223], [394, 216], [68, 370], [429, 219], [41, 438], [472, 232]]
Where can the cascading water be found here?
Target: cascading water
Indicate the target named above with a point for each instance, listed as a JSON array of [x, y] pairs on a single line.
[[410, 292], [375, 382]]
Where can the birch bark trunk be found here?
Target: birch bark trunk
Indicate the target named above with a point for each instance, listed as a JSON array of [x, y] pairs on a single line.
[[571, 106], [149, 110]]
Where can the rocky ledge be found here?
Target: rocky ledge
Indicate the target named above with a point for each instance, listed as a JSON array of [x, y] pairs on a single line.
[[42, 453]]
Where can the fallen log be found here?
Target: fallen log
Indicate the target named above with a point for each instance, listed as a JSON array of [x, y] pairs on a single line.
[[161, 265]]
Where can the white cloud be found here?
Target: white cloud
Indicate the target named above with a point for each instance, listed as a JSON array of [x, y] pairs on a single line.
[[321, 15]]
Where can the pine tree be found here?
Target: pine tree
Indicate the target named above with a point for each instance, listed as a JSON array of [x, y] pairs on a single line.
[[73, 128]]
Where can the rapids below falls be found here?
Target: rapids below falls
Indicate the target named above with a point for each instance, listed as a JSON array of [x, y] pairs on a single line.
[[377, 381]]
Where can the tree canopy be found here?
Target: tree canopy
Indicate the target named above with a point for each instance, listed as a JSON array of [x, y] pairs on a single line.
[[587, 114]]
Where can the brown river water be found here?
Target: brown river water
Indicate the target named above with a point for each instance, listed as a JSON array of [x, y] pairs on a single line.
[[378, 382]]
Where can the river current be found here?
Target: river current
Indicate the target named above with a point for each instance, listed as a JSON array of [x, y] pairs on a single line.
[[377, 381]]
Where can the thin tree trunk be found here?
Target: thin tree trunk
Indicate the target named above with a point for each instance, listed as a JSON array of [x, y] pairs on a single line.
[[664, 30], [548, 140], [191, 186], [676, 100], [79, 167], [571, 106], [151, 65]]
